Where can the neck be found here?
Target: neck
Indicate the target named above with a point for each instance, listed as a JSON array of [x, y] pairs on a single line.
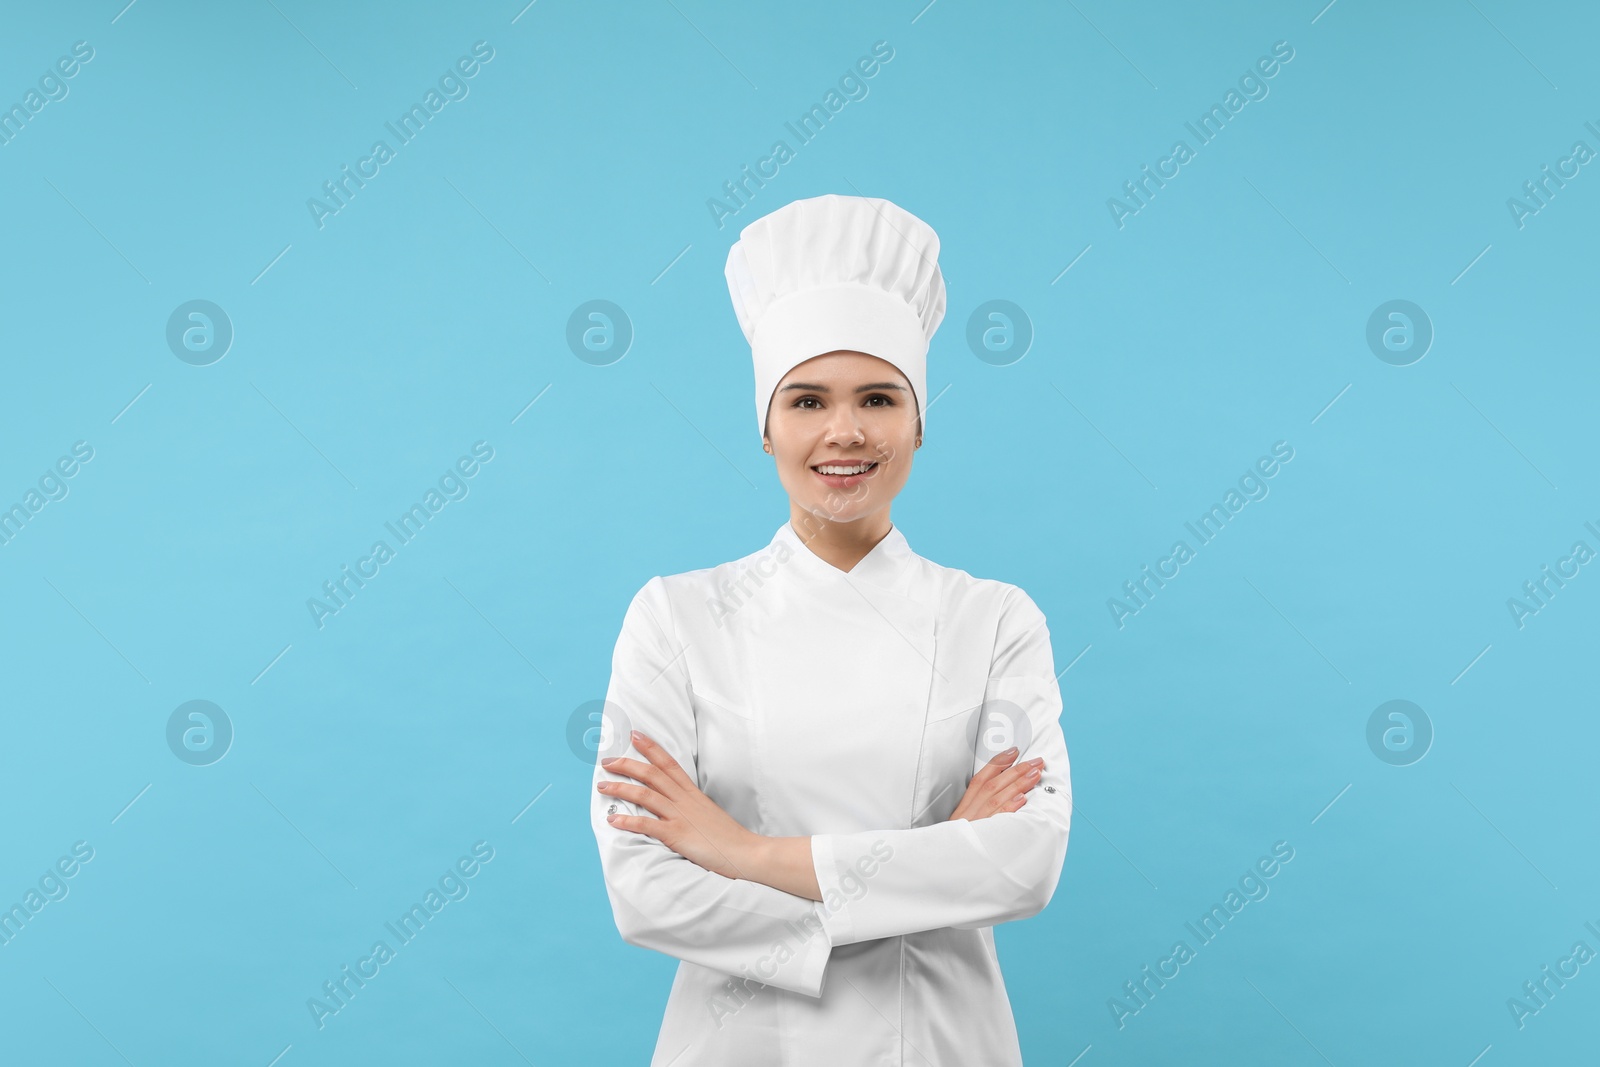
[[841, 544]]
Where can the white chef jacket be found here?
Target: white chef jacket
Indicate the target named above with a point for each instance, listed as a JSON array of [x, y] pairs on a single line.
[[847, 706]]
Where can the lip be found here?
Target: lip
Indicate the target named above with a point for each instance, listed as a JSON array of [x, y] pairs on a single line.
[[845, 481]]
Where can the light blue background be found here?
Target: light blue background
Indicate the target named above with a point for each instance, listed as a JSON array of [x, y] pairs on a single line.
[[426, 315]]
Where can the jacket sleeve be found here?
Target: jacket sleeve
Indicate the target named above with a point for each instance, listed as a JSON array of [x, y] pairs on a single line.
[[662, 900], [965, 873]]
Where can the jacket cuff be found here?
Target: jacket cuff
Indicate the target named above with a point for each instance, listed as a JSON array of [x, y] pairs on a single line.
[[834, 906], [814, 965]]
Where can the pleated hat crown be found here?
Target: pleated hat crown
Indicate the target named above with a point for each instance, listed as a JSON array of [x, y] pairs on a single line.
[[836, 273]]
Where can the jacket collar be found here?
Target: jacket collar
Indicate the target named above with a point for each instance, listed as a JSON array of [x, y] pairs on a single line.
[[882, 566]]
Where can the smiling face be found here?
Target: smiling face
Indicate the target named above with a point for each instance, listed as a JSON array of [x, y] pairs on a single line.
[[842, 428]]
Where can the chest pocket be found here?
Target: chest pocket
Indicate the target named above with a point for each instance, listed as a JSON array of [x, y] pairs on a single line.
[[962, 730], [725, 755], [949, 753]]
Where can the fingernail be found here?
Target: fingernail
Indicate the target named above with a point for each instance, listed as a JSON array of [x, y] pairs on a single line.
[[1012, 751], [1037, 761], [637, 736], [608, 761], [1031, 772], [611, 818]]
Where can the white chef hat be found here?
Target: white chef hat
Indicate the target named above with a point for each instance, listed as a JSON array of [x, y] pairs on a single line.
[[836, 273]]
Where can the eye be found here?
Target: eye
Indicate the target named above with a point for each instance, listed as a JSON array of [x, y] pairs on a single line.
[[888, 401], [802, 402]]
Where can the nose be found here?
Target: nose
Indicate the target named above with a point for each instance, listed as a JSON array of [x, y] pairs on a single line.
[[844, 426]]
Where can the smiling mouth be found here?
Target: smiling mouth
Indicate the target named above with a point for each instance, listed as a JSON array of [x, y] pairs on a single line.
[[846, 475], [845, 470]]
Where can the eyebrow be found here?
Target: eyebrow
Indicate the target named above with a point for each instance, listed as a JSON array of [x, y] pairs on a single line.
[[825, 389]]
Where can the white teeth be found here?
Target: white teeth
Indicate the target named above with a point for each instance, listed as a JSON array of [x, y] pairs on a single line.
[[835, 468]]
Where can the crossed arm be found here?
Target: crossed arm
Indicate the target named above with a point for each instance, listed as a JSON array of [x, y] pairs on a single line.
[[686, 879], [695, 827]]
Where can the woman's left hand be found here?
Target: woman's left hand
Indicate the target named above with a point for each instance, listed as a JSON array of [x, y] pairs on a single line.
[[688, 822]]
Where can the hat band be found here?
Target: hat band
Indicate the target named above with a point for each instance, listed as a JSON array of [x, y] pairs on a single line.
[[850, 317]]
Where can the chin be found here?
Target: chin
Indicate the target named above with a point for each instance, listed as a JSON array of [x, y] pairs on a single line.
[[853, 512]]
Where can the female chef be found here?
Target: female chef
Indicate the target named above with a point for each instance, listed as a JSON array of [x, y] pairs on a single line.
[[817, 785]]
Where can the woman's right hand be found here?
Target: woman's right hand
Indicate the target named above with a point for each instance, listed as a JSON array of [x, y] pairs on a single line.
[[998, 786]]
